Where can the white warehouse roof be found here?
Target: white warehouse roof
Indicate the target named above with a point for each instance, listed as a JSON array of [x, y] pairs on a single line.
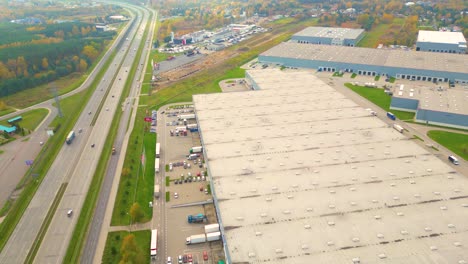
[[330, 32], [302, 174], [441, 37]]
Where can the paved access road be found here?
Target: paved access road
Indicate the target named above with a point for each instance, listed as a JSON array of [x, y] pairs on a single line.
[[61, 171]]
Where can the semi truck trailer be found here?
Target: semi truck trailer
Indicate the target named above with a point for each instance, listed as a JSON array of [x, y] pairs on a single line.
[[195, 239], [211, 228], [215, 236], [196, 150]]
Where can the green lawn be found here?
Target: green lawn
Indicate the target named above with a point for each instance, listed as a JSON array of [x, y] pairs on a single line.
[[6, 111], [456, 142], [371, 38], [31, 119], [380, 98], [114, 242]]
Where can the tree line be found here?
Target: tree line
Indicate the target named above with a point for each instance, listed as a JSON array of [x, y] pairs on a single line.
[[50, 52]]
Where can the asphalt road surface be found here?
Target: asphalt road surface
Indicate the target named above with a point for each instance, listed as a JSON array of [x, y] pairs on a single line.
[[55, 244], [62, 170], [95, 234]]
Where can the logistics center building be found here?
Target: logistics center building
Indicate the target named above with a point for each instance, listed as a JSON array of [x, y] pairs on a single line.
[[329, 36], [435, 106], [441, 41], [301, 174], [410, 65]]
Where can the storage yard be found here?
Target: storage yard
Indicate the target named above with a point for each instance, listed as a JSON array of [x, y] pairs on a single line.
[[188, 206], [299, 162]]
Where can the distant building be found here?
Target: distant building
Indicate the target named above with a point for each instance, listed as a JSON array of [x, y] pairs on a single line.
[[101, 27], [329, 36], [440, 41], [117, 17]]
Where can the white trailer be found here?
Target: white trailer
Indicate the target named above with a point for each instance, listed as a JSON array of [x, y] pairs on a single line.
[[189, 126], [188, 116], [211, 228], [215, 236], [398, 128], [158, 150], [178, 129], [156, 165], [156, 191], [196, 150], [195, 239]]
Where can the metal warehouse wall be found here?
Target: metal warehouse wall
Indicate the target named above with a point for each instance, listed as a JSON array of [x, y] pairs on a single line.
[[442, 118], [404, 104], [442, 47], [382, 70]]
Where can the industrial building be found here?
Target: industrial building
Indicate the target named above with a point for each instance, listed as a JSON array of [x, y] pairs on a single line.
[[410, 65], [435, 106], [441, 41], [301, 174], [329, 36]]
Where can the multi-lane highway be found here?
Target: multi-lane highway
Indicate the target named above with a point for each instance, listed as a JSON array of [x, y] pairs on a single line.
[[74, 165]]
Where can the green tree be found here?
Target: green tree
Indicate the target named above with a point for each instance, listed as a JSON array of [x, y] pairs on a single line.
[[130, 252]]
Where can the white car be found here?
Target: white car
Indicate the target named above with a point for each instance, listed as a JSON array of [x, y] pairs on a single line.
[[70, 213], [169, 260], [176, 195]]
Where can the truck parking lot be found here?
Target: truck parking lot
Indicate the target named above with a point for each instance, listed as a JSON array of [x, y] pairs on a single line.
[[187, 188]]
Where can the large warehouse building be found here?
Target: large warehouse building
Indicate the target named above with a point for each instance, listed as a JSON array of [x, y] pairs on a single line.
[[301, 174], [329, 36], [441, 41], [435, 106], [410, 65]]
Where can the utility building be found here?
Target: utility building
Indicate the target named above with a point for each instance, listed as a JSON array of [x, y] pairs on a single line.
[[440, 41], [329, 36]]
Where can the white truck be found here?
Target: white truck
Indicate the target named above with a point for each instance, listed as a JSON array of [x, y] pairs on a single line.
[[215, 236], [196, 150], [188, 116], [156, 191], [190, 126], [195, 239], [211, 228], [398, 128]]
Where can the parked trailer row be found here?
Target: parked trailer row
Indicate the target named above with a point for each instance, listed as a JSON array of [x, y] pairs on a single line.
[[202, 238], [188, 116]]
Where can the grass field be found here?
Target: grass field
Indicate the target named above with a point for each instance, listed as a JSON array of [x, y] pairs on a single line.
[[380, 98], [41, 93], [114, 243], [371, 38], [456, 142], [30, 119]]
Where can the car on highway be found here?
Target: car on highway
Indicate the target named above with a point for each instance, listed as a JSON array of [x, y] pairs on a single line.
[[89, 112], [70, 213], [205, 255]]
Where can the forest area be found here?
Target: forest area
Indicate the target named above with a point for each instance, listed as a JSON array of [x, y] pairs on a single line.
[[40, 45]]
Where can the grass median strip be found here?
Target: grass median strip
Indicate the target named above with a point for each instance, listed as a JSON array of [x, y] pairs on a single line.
[[45, 225]]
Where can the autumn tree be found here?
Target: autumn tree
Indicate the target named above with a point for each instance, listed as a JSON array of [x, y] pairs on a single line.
[[125, 172], [82, 66], [45, 64], [130, 251], [90, 52], [136, 213]]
